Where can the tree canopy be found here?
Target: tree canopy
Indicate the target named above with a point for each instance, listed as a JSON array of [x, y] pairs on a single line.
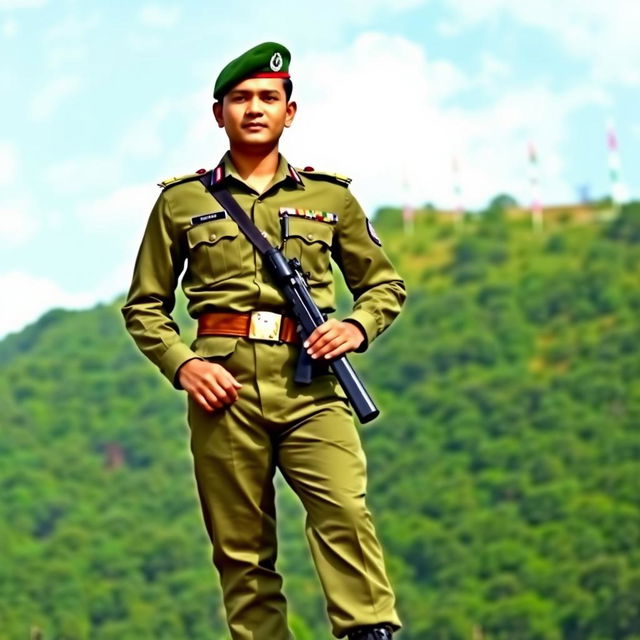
[[503, 472]]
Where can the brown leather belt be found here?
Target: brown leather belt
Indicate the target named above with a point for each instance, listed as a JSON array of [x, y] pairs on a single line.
[[257, 325]]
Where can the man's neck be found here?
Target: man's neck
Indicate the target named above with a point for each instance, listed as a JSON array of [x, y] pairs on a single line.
[[256, 169]]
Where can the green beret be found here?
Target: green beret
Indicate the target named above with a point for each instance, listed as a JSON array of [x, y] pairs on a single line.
[[266, 60]]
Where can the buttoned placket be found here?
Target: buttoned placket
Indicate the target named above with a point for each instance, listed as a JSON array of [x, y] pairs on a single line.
[[268, 222]]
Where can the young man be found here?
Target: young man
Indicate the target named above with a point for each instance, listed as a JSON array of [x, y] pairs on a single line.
[[246, 413]]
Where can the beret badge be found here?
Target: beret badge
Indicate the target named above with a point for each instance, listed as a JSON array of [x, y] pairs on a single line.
[[276, 61]]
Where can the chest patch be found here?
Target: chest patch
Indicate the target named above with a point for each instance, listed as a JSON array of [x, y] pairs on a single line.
[[309, 214], [207, 217]]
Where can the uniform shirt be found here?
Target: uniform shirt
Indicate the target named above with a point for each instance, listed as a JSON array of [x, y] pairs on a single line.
[[313, 217]]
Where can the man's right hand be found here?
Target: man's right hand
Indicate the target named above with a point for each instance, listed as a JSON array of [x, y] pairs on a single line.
[[208, 383]]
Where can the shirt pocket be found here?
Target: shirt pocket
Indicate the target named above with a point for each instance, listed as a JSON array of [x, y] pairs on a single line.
[[310, 241], [215, 251]]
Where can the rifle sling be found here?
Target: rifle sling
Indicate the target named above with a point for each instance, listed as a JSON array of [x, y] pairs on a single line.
[[237, 213]]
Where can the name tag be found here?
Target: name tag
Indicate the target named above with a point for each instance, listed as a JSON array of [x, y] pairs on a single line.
[[207, 217]]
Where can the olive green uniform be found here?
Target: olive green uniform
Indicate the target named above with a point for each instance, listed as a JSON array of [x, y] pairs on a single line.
[[307, 431]]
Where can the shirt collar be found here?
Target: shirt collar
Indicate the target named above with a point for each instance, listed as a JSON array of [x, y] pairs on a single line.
[[226, 170]]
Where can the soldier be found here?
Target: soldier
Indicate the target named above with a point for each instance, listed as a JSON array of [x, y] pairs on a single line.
[[246, 413]]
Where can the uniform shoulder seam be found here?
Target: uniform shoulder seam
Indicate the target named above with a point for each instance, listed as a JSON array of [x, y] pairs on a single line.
[[336, 178], [172, 182]]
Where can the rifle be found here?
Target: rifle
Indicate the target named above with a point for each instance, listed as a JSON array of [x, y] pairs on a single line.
[[289, 276]]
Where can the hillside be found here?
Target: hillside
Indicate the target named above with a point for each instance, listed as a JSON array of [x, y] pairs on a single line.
[[503, 473]]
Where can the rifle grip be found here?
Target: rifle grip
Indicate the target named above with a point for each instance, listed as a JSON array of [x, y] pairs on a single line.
[[303, 368]]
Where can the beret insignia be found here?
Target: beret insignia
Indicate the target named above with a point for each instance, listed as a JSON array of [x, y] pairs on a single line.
[[276, 61]]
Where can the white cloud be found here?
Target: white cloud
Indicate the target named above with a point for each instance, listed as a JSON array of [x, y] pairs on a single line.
[[493, 71], [46, 101], [443, 80], [381, 112], [373, 112], [602, 32], [159, 16], [26, 297], [125, 209], [7, 164], [17, 224]]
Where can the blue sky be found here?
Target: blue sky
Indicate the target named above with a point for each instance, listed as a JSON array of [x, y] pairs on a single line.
[[103, 100]]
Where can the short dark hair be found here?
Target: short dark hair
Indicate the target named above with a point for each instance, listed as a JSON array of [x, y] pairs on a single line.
[[288, 88]]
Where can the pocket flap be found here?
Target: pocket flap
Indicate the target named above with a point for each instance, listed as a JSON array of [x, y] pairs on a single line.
[[310, 231], [211, 232]]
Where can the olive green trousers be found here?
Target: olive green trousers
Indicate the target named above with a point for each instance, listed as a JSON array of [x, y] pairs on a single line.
[[308, 432]]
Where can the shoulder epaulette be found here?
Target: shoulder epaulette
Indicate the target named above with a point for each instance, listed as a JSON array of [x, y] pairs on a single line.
[[172, 182], [323, 175]]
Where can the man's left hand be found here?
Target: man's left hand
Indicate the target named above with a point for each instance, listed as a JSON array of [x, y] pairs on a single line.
[[333, 338]]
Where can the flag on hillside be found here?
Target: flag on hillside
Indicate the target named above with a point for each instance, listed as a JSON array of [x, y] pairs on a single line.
[[408, 210], [457, 188], [534, 184], [618, 190]]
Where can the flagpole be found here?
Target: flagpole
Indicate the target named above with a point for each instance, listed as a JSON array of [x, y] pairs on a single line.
[[457, 190], [615, 178], [534, 184], [408, 211]]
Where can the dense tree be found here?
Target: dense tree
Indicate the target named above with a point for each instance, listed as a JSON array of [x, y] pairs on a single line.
[[503, 471]]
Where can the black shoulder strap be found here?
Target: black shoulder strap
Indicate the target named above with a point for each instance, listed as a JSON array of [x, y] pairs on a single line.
[[229, 204]]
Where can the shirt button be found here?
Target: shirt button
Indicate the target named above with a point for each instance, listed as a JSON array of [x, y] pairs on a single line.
[[213, 236], [310, 236]]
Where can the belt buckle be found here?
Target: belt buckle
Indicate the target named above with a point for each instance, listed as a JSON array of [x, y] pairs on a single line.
[[265, 325]]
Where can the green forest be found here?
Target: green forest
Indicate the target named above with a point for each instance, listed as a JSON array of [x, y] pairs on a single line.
[[504, 473]]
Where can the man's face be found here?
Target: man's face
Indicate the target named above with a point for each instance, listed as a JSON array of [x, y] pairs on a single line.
[[255, 112]]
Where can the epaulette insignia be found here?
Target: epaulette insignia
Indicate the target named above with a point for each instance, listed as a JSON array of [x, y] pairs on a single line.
[[172, 182], [323, 175]]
